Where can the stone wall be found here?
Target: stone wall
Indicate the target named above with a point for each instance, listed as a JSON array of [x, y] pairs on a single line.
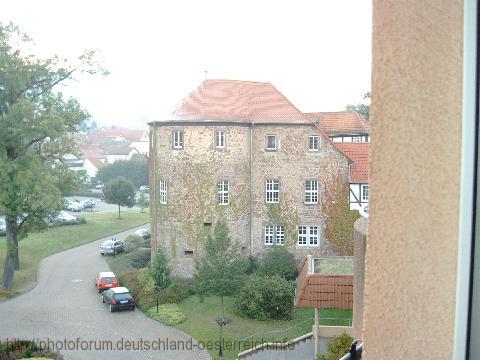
[[193, 172]]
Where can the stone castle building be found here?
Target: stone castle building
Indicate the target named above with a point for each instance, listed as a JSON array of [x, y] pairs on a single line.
[[240, 151]]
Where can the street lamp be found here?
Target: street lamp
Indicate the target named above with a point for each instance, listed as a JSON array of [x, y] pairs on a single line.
[[157, 290], [221, 323]]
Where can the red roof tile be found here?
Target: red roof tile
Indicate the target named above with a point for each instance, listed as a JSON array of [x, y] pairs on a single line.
[[234, 100], [341, 122], [358, 152]]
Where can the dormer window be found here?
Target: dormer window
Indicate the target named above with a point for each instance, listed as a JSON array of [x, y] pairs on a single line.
[[271, 142]]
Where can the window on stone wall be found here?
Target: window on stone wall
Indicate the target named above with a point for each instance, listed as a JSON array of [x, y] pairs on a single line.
[[163, 191], [308, 235], [364, 192], [271, 142], [223, 188], [311, 192], [178, 139], [313, 142], [220, 139], [279, 235], [269, 234], [272, 191]]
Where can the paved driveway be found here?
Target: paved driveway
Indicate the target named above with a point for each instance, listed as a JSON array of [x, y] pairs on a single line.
[[65, 306]]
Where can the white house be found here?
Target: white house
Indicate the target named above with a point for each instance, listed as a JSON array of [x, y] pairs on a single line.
[[358, 153]]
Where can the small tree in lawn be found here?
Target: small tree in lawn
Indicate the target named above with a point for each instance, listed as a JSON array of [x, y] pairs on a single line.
[[221, 270], [143, 201], [119, 191]]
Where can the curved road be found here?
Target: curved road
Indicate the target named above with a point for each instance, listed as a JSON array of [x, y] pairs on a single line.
[[65, 309]]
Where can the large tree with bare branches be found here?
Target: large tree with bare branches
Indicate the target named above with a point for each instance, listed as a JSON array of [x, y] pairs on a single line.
[[36, 124]]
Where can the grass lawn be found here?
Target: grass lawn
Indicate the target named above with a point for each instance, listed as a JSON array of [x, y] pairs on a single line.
[[36, 246], [201, 324]]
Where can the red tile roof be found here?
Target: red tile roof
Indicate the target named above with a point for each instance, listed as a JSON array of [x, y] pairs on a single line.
[[341, 122], [242, 101], [103, 135], [93, 155], [358, 152]]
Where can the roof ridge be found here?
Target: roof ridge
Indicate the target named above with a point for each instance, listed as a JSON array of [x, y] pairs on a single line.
[[301, 113]]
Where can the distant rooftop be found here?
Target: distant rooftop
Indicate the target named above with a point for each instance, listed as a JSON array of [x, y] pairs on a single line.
[[340, 122], [358, 153]]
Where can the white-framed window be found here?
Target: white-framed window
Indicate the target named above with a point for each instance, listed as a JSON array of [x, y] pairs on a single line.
[[223, 188], [308, 236], [220, 139], [178, 139], [364, 192], [274, 235], [271, 142], [279, 235], [313, 236], [356, 139], [311, 192], [313, 141], [272, 191], [302, 235], [269, 234], [163, 191]]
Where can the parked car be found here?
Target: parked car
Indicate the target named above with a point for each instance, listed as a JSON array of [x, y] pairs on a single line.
[[3, 226], [74, 206], [105, 280], [118, 298], [98, 186], [63, 218], [144, 233], [111, 247], [87, 204], [144, 187]]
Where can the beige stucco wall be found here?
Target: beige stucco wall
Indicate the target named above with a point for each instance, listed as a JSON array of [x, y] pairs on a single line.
[[415, 173]]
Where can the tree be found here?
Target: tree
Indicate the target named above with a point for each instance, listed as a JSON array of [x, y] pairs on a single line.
[[119, 191], [221, 270], [134, 170], [161, 269], [338, 217], [36, 123], [279, 261], [362, 109], [143, 201], [338, 347]]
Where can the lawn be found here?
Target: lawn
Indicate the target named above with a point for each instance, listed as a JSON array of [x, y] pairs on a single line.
[[201, 324], [36, 246]]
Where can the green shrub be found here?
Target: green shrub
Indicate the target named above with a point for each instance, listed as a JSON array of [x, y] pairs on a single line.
[[140, 258], [252, 265], [178, 291], [146, 280], [25, 349], [279, 261], [168, 314], [134, 242], [161, 269], [81, 220], [266, 298], [337, 348]]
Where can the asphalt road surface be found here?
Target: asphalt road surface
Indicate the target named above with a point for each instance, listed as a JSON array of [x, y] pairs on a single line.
[[100, 206], [65, 311]]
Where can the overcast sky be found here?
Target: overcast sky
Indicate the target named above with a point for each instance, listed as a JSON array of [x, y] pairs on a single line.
[[317, 53]]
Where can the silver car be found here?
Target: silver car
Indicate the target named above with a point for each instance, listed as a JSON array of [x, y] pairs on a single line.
[[111, 247]]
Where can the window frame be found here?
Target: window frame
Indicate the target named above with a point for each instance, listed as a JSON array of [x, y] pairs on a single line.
[[311, 192], [308, 234], [223, 137], [363, 197], [163, 192], [270, 234], [179, 143], [266, 142], [317, 142], [272, 191], [223, 194]]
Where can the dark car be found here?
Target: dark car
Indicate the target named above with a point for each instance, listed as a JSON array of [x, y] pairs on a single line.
[[111, 247], [119, 298], [88, 204]]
